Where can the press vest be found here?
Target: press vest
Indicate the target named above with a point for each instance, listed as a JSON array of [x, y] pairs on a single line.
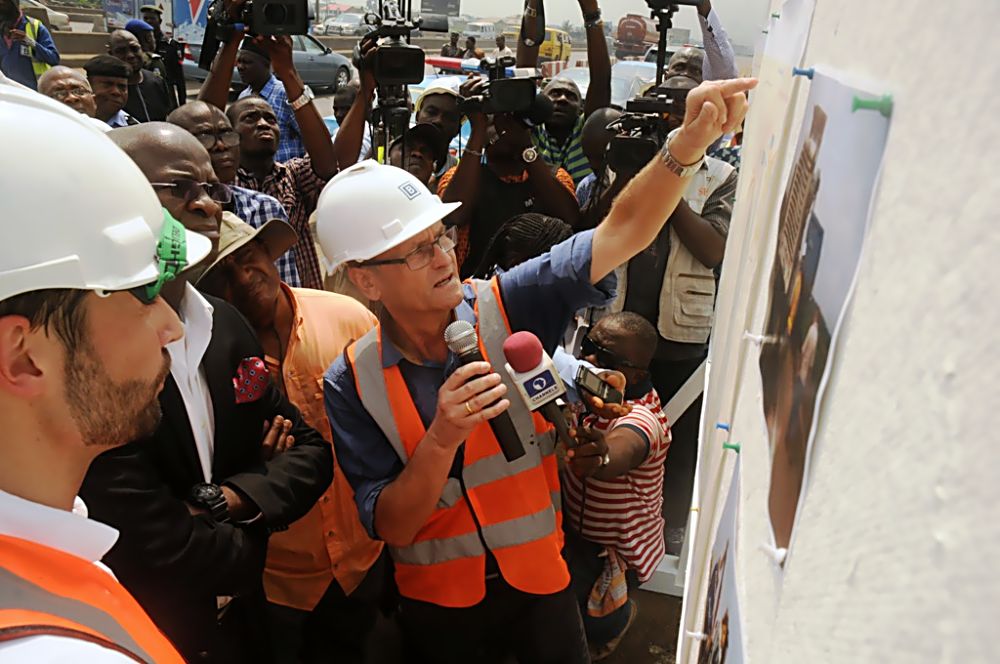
[[47, 592], [687, 296], [31, 30], [511, 508]]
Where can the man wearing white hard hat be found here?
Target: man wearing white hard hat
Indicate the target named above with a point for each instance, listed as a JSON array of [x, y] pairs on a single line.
[[83, 333], [475, 539]]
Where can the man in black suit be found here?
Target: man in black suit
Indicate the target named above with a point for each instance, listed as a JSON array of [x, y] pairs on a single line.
[[231, 462]]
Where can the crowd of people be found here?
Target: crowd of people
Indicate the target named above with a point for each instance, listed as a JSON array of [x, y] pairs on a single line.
[[226, 366]]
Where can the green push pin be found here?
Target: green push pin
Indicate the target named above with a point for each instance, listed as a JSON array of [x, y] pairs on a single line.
[[776, 15], [732, 446], [883, 105]]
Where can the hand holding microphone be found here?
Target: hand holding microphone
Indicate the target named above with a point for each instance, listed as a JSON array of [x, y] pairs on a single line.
[[471, 395]]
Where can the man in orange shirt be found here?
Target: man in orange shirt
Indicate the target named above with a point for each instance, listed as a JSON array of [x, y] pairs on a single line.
[[322, 597]]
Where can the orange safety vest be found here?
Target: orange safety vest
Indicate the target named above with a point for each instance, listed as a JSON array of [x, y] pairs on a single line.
[[44, 591], [513, 507]]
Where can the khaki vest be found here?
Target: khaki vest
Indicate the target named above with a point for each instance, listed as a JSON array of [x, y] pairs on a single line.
[[687, 297]]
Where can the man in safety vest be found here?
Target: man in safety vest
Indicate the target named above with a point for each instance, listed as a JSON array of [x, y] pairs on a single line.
[[83, 332], [475, 540], [26, 47]]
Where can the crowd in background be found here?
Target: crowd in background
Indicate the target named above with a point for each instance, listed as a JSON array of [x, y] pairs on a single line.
[[243, 533]]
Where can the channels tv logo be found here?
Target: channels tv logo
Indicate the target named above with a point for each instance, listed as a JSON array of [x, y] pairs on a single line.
[[409, 190], [541, 386]]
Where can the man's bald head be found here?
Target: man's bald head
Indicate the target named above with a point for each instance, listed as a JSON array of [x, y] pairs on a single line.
[[211, 127], [70, 87], [176, 164], [124, 45], [595, 135], [688, 61]]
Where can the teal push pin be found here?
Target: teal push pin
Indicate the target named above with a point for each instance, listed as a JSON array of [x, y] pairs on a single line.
[[732, 446], [883, 105], [776, 15], [808, 72]]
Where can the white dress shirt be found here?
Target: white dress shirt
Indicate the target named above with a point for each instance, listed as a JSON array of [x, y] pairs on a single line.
[[186, 355], [72, 533], [366, 141], [720, 59]]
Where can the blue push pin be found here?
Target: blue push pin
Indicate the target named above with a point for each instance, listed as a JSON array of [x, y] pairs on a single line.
[[723, 426], [732, 446], [808, 72]]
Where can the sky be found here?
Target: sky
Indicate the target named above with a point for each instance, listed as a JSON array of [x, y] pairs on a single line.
[[743, 19]]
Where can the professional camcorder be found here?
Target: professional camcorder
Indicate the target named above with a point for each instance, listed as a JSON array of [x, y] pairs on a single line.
[[260, 17], [644, 125], [514, 95]]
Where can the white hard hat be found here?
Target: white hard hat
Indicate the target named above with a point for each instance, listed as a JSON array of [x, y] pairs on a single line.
[[370, 208], [442, 86], [78, 213]]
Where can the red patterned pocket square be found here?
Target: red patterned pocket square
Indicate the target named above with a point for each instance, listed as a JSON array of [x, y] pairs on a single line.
[[251, 380]]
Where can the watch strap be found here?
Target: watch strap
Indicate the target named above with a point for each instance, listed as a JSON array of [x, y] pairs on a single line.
[[674, 166], [304, 98]]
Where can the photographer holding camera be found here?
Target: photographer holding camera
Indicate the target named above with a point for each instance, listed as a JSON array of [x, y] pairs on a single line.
[[512, 180], [559, 140]]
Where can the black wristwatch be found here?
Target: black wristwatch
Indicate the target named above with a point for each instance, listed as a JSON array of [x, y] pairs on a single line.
[[210, 497]]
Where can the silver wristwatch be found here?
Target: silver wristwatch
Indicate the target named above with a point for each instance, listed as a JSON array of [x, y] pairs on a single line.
[[675, 167], [306, 97], [529, 155]]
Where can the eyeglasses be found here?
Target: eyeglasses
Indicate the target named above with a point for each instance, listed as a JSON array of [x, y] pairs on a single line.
[[62, 94], [190, 190], [229, 138], [422, 256], [171, 259], [605, 358]]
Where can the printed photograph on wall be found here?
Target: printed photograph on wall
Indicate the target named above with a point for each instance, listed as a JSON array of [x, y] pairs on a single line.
[[822, 224], [723, 642]]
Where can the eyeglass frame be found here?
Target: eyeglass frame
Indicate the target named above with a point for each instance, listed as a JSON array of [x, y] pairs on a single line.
[[450, 233], [217, 137], [204, 187], [603, 354]]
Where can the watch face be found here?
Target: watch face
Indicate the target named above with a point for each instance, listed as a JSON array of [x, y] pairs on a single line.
[[529, 155], [206, 492]]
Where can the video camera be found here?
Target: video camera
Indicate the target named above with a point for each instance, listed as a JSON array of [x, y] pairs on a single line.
[[643, 127], [260, 17], [501, 94], [396, 64]]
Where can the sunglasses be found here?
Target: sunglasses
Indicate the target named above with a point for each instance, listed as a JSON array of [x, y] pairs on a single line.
[[190, 190], [605, 358], [171, 259], [422, 256], [228, 138]]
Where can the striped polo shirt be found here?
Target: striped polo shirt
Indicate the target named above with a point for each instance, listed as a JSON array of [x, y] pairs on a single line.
[[569, 155], [625, 512]]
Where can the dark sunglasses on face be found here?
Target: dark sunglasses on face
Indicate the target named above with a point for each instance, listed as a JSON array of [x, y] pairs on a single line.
[[190, 190], [422, 256], [605, 358], [229, 138]]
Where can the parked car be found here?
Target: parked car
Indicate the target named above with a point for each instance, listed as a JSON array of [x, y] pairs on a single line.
[[319, 67], [347, 24], [56, 20]]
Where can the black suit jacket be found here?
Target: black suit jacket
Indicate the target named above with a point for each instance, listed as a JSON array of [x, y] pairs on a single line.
[[175, 564]]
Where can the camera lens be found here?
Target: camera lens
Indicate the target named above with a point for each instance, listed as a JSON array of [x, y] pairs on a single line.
[[276, 13]]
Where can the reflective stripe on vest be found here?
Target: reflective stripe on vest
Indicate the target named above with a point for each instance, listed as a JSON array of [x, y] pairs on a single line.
[[31, 31], [513, 507], [44, 591]]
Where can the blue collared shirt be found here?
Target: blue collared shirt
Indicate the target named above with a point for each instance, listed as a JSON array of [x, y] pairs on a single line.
[[290, 140], [19, 67], [257, 209], [539, 295]]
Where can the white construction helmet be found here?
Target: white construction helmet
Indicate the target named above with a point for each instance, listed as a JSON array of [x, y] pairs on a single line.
[[78, 213], [370, 208]]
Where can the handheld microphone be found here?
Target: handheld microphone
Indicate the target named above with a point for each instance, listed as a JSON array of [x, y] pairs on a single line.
[[537, 380], [463, 341]]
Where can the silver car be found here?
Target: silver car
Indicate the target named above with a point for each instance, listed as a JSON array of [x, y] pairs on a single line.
[[319, 67]]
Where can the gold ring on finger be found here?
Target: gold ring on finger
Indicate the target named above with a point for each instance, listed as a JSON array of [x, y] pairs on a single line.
[[468, 409]]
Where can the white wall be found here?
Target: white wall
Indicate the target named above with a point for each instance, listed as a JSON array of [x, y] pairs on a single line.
[[895, 553]]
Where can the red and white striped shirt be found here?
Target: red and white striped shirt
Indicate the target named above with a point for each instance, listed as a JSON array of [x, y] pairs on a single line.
[[626, 512]]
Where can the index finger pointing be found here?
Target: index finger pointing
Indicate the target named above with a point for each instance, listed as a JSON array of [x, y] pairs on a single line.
[[736, 85]]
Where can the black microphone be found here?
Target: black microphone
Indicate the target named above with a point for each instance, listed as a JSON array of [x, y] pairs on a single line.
[[463, 341]]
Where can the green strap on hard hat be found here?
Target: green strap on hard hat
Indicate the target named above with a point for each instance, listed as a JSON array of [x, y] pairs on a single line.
[[171, 254]]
